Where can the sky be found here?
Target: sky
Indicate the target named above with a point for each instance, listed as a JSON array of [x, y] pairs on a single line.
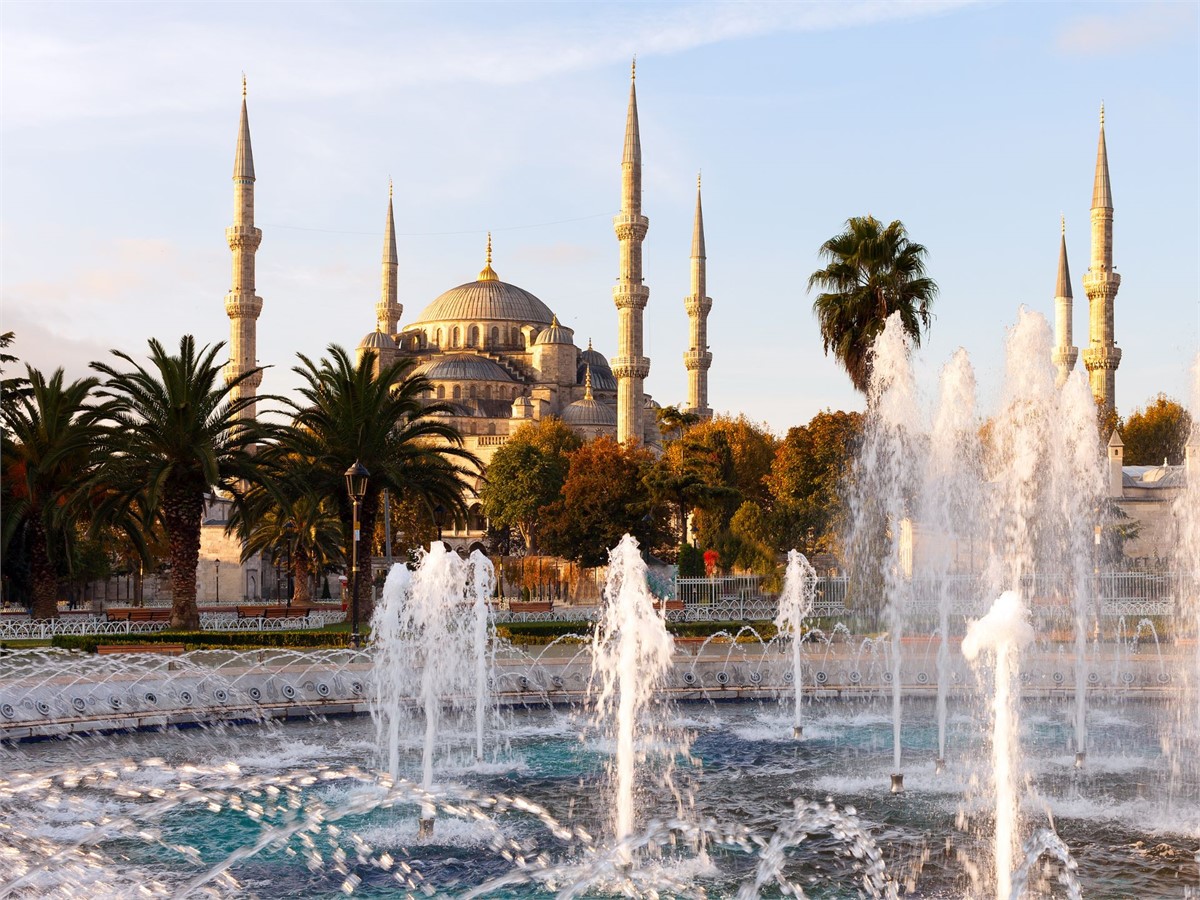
[[974, 124]]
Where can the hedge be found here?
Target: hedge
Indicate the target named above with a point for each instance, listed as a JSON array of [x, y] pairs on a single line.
[[206, 640]]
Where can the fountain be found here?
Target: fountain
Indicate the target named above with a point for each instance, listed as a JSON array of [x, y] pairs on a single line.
[[596, 783], [795, 605]]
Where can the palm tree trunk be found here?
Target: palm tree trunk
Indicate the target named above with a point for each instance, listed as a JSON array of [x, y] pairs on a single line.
[[301, 572], [182, 510], [45, 580]]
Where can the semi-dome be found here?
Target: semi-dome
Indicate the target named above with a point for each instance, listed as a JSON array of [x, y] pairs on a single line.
[[589, 412], [465, 367], [377, 340], [555, 334]]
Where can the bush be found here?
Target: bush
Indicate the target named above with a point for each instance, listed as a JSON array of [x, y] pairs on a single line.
[[206, 640], [691, 562]]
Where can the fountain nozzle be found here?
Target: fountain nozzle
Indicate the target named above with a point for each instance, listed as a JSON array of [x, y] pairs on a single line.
[[897, 782], [1080, 758], [797, 731], [939, 766], [424, 828]]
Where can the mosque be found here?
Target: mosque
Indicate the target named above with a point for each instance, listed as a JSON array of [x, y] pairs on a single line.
[[493, 352]]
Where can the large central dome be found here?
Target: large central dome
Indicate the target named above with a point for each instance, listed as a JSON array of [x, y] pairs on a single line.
[[488, 300]]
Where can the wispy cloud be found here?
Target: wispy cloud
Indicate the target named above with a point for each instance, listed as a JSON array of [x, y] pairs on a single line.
[[59, 66], [1135, 27]]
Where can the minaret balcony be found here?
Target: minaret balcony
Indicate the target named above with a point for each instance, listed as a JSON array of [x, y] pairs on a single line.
[[631, 296], [1101, 358], [697, 359], [239, 305], [243, 237], [697, 305], [630, 226], [630, 366]]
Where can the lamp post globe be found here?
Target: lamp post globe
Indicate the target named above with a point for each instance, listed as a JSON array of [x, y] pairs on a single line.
[[356, 487]]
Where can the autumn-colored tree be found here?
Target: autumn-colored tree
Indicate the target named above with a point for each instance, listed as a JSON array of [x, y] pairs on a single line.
[[1157, 432], [806, 478], [526, 475], [603, 498]]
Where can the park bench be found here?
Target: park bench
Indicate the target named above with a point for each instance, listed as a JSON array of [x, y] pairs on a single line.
[[530, 606], [168, 649], [140, 614], [671, 605], [272, 612]]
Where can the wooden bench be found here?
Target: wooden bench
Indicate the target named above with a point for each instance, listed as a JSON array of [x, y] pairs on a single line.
[[530, 606], [140, 614], [168, 649], [671, 605], [272, 612]]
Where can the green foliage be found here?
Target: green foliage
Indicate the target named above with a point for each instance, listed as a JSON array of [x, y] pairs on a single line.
[[206, 640], [1157, 432], [691, 562], [873, 271], [526, 475]]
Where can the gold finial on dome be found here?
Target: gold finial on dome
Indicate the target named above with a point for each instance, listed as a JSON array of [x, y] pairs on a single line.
[[488, 273], [589, 343], [587, 383]]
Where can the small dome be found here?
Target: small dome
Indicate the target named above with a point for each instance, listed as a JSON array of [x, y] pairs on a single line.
[[377, 340], [464, 367], [556, 334], [602, 378], [596, 360], [589, 412]]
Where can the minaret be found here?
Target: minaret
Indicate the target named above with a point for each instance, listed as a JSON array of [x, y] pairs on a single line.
[[1065, 354], [1102, 355], [241, 303], [698, 359], [389, 309], [630, 295]]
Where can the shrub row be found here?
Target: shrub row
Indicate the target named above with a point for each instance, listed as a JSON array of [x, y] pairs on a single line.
[[206, 640]]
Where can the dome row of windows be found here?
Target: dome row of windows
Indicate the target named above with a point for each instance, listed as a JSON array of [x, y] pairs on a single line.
[[474, 392], [470, 336]]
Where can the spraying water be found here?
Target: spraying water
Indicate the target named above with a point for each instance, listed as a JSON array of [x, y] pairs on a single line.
[[884, 489], [430, 637], [1005, 630], [631, 656], [795, 605]]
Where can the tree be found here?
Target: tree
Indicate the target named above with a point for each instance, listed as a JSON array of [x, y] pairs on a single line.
[[302, 527], [350, 413], [674, 422], [174, 434], [603, 498], [873, 271], [1157, 432], [50, 433], [526, 475], [806, 479]]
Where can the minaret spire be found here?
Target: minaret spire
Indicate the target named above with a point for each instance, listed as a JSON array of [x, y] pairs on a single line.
[[630, 294], [389, 309], [1064, 354], [1102, 356], [241, 304], [698, 359]]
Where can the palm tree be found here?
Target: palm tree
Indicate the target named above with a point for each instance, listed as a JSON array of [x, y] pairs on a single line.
[[873, 272], [174, 434], [302, 527], [50, 432], [349, 413]]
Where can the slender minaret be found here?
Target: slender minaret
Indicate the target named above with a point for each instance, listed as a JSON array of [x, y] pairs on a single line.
[[630, 295], [1102, 355], [241, 303], [1065, 353], [389, 309], [698, 359]]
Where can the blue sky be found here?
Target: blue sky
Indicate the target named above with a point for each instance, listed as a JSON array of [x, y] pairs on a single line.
[[975, 124]]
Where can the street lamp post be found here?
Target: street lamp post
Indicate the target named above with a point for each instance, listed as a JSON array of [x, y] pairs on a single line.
[[289, 530], [356, 487], [217, 563]]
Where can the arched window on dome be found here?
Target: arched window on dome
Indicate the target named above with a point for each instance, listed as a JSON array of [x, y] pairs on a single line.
[[471, 392], [438, 338], [487, 392], [454, 336], [473, 336], [457, 392], [515, 337], [495, 337], [441, 392]]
